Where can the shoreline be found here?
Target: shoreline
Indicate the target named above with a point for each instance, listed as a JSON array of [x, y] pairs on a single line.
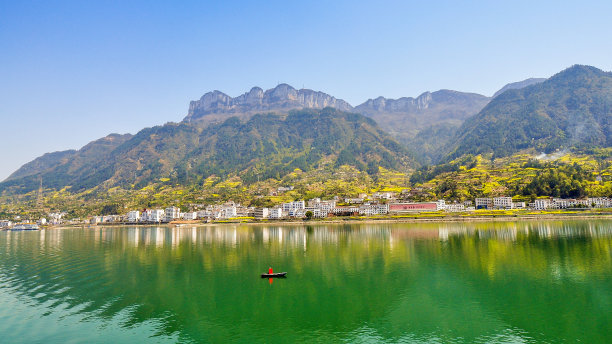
[[385, 220]]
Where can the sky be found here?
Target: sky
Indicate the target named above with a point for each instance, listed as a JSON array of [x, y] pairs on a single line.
[[73, 72]]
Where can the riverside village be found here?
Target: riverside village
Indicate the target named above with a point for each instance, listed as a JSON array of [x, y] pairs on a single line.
[[375, 206]]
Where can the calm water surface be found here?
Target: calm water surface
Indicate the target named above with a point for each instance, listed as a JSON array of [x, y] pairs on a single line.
[[524, 282]]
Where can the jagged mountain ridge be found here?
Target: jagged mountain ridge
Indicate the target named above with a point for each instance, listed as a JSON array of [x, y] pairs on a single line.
[[282, 98], [404, 118], [411, 119]]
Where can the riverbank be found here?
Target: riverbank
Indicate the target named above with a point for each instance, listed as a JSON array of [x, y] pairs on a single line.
[[491, 216]]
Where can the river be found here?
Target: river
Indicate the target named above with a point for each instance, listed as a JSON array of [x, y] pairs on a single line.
[[497, 282]]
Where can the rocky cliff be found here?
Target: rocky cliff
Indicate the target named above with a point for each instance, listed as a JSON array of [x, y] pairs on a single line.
[[281, 98]]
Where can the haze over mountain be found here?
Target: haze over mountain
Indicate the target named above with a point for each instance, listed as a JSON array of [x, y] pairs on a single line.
[[436, 114], [571, 109], [518, 85]]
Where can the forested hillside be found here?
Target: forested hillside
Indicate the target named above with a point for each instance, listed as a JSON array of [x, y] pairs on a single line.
[[265, 146], [572, 109]]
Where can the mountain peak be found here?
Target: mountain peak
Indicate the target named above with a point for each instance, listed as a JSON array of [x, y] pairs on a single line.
[[579, 72], [518, 85], [283, 97]]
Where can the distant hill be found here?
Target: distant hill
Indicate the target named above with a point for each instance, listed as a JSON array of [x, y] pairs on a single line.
[[427, 122], [90, 154], [519, 85], [42, 163], [571, 109], [265, 146]]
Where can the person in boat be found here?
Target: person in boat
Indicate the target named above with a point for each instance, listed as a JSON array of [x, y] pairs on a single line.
[[270, 272]]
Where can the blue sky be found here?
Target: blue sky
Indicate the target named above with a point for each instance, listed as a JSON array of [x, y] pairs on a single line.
[[72, 72]]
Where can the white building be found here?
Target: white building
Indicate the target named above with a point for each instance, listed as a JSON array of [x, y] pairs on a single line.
[[345, 210], [373, 209], [133, 216], [600, 202], [288, 207], [156, 215], [5, 223], [190, 215], [282, 189], [541, 204], [502, 203], [383, 195], [261, 213], [455, 207], [275, 213], [172, 213], [560, 203], [483, 203], [321, 208], [204, 213], [227, 212]]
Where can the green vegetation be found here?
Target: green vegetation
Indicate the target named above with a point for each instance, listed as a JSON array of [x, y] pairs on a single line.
[[267, 146], [572, 175], [570, 110]]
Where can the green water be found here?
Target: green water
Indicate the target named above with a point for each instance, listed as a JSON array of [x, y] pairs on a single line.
[[518, 282]]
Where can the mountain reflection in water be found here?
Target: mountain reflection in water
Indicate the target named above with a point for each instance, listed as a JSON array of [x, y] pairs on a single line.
[[446, 282]]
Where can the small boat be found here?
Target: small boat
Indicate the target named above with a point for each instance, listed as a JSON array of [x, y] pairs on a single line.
[[276, 274]]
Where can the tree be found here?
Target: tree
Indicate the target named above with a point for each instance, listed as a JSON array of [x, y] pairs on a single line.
[[309, 215]]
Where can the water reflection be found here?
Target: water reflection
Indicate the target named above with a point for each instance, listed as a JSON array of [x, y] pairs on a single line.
[[461, 282]]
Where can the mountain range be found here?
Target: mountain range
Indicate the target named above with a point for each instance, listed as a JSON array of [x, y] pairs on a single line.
[[266, 134]]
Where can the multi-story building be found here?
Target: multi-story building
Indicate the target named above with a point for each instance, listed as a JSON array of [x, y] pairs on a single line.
[[133, 216], [190, 215], [290, 207], [455, 207], [172, 213], [541, 204], [600, 202], [321, 208], [441, 204], [373, 209], [502, 203], [156, 215], [483, 203], [228, 212], [275, 213], [560, 203], [261, 213], [345, 211]]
